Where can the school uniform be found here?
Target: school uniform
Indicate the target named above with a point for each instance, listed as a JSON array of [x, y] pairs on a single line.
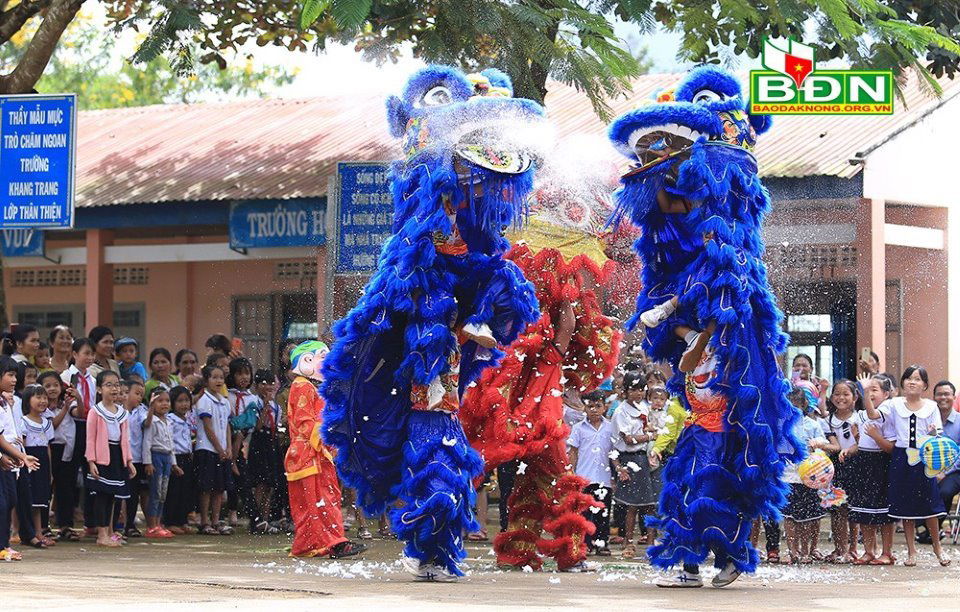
[[64, 464], [11, 421], [182, 490], [140, 482], [841, 429], [213, 474], [593, 446], [912, 495], [158, 451], [237, 493], [631, 420], [108, 446], [86, 385], [262, 465], [803, 503], [36, 440], [9, 479], [870, 472]]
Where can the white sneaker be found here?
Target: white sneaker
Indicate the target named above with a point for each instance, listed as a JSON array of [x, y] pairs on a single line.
[[481, 334], [655, 316], [682, 580], [584, 567], [435, 573], [412, 565], [726, 576]]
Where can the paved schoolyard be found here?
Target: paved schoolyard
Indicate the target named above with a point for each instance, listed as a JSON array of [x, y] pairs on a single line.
[[246, 572]]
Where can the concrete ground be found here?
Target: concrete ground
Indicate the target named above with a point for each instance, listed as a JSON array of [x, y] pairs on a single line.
[[247, 572]]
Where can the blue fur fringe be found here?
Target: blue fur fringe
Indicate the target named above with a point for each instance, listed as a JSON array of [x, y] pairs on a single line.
[[716, 483], [436, 494], [400, 334]]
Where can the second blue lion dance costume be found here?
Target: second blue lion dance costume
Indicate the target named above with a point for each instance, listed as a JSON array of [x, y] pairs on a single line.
[[696, 196], [431, 316]]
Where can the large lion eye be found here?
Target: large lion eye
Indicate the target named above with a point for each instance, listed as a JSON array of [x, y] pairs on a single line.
[[706, 95], [438, 96]]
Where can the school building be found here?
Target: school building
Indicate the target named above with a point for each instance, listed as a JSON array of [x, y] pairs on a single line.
[[214, 218]]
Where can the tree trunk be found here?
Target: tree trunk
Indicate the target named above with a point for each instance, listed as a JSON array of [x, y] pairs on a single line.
[[532, 82], [31, 66]]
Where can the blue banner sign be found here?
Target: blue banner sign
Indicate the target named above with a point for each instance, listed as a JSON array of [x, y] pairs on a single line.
[[37, 158], [277, 223], [23, 243], [365, 215]]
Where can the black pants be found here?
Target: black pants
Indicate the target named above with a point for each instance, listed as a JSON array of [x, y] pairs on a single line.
[[88, 509], [949, 488], [506, 473], [133, 504], [771, 532], [181, 493], [25, 507], [601, 518], [237, 495], [8, 501], [102, 505], [79, 455], [64, 486]]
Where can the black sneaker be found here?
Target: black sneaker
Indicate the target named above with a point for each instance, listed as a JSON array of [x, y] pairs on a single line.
[[347, 549]]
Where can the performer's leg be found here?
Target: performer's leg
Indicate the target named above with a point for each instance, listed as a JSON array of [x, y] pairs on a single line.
[[436, 490], [517, 544], [315, 506], [506, 474], [564, 517]]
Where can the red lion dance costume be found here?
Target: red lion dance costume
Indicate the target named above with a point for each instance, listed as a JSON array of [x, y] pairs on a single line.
[[515, 412]]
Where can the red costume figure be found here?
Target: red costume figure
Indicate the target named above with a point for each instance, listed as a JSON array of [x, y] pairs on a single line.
[[311, 476], [516, 410]]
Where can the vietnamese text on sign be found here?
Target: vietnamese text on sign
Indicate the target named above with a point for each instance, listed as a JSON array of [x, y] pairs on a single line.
[[37, 140]]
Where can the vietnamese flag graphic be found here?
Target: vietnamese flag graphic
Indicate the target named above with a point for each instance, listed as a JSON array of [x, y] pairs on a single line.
[[796, 61]]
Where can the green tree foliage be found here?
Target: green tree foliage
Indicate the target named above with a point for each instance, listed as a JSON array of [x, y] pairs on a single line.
[[572, 41], [86, 63]]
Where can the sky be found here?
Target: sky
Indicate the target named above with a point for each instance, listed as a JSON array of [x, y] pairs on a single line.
[[342, 65], [343, 68]]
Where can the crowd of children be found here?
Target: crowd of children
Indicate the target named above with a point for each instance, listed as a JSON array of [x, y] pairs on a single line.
[[85, 426], [626, 431]]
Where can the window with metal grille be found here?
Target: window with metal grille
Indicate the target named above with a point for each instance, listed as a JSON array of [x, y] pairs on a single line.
[[294, 270], [76, 276], [813, 256], [46, 319], [126, 318], [136, 275]]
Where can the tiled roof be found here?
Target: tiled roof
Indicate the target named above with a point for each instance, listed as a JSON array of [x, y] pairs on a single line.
[[261, 149]]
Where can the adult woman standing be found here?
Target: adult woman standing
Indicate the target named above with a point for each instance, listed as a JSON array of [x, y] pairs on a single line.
[[159, 364], [22, 343], [102, 338], [187, 363], [61, 348]]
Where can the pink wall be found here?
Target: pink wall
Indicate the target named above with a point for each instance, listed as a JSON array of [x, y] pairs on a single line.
[[184, 302]]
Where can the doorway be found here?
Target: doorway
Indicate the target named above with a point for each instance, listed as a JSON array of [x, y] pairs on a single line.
[[821, 319]]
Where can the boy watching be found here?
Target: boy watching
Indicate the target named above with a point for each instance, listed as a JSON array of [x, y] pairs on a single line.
[[589, 444], [127, 353]]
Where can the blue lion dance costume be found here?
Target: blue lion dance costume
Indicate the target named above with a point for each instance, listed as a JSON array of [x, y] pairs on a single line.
[[696, 196], [432, 314]]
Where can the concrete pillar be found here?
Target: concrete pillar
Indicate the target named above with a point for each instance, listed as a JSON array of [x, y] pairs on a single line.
[[321, 283], [99, 291], [871, 279]]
